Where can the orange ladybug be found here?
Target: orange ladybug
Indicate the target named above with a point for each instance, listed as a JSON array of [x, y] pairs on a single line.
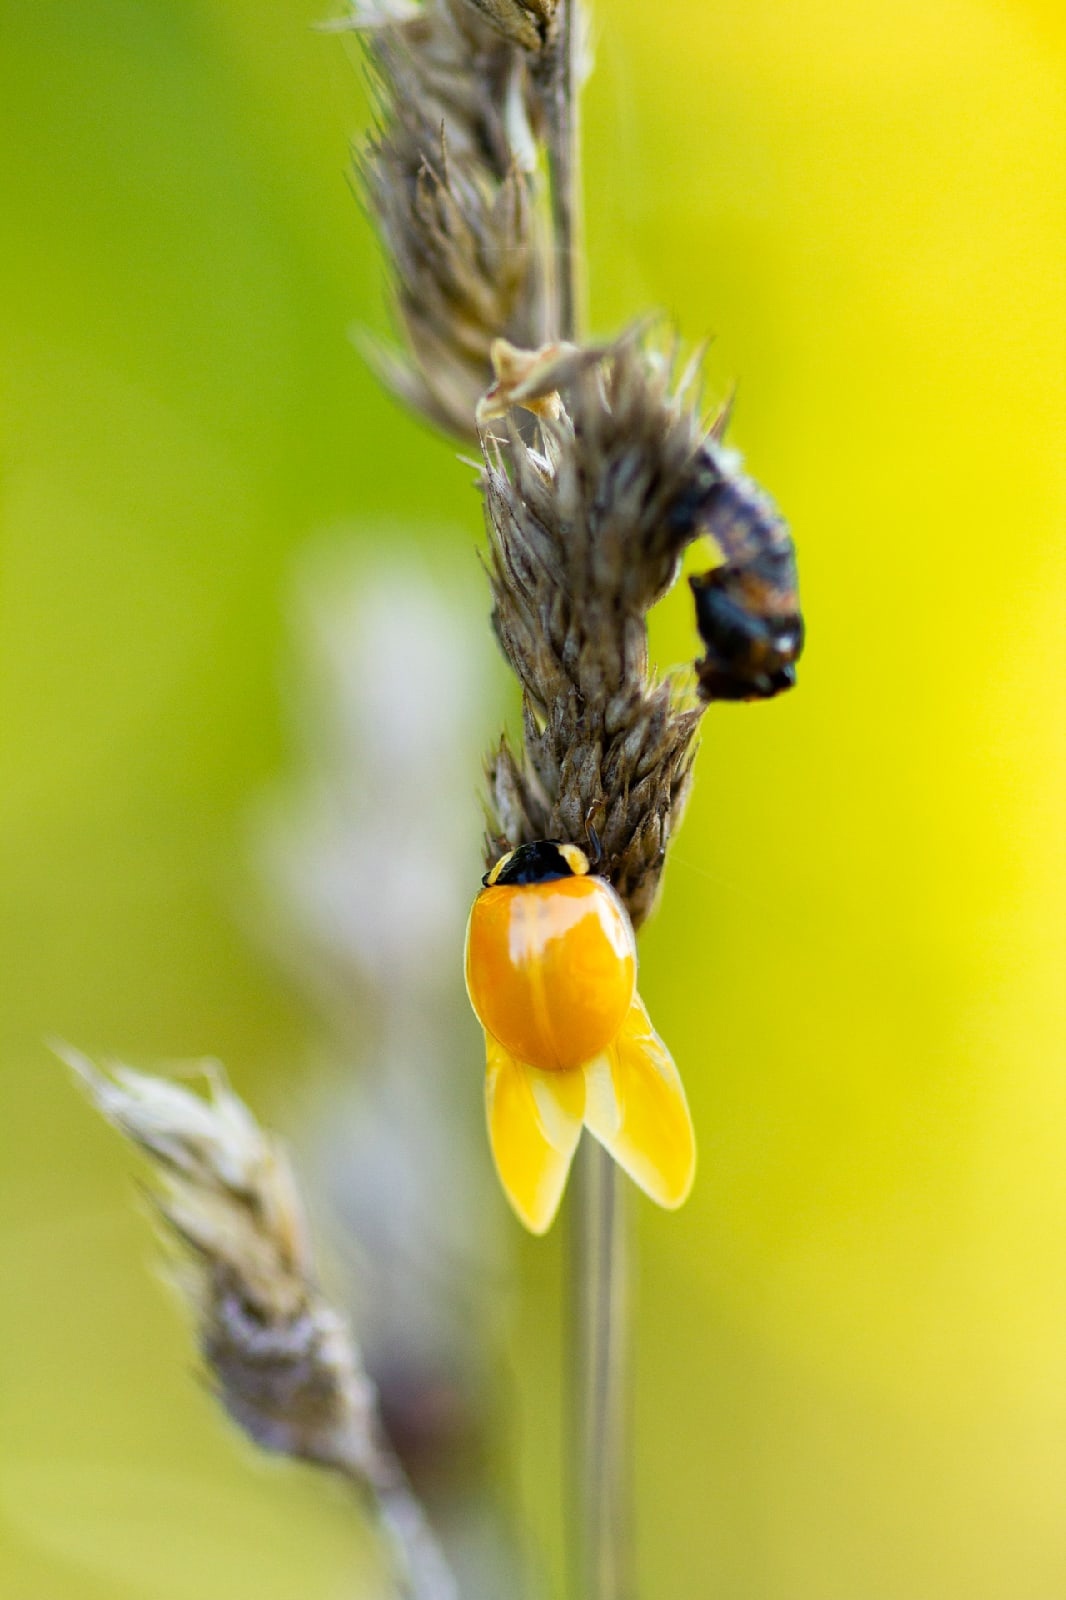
[[551, 971]]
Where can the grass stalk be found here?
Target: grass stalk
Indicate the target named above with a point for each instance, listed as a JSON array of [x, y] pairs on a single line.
[[564, 162], [597, 1411], [601, 1544]]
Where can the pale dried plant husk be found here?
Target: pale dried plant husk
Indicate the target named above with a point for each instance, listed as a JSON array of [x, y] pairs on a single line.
[[367, 14], [450, 175], [584, 539]]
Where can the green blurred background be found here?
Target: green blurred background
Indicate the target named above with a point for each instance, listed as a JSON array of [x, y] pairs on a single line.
[[852, 1342]]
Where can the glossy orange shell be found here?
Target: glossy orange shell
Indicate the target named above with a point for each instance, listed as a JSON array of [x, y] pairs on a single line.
[[551, 968]]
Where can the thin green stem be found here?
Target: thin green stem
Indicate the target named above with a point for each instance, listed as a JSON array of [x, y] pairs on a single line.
[[602, 1533], [564, 162], [597, 1421]]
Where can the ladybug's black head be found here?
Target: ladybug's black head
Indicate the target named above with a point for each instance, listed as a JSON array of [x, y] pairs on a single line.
[[537, 863]]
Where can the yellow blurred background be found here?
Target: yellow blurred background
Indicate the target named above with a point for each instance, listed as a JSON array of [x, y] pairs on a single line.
[[851, 1344]]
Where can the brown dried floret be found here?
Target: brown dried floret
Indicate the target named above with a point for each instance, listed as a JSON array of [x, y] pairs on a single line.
[[529, 23]]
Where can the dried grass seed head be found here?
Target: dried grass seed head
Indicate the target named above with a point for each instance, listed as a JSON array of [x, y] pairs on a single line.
[[279, 1355], [583, 542], [449, 176]]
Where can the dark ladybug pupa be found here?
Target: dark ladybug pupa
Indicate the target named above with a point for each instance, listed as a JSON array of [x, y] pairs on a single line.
[[747, 609]]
